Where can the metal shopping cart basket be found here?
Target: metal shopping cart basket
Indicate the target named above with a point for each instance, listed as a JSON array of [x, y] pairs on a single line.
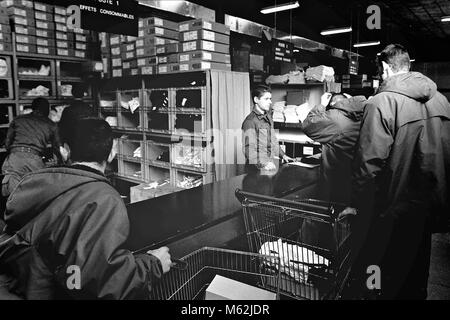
[[310, 237], [193, 273]]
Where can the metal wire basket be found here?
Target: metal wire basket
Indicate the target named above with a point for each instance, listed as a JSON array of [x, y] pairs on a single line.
[[194, 272], [309, 236]]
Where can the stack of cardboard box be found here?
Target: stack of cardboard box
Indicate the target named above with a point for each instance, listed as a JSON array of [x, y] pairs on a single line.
[[5, 31], [41, 28]]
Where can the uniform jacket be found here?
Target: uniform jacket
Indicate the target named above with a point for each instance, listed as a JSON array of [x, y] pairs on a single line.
[[337, 129], [403, 154], [64, 218], [260, 143], [33, 131]]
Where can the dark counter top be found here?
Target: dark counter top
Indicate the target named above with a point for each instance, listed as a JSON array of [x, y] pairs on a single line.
[[171, 218]]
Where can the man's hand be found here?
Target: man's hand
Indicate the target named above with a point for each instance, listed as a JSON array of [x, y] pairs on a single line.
[[270, 166], [325, 99], [164, 256], [287, 159]]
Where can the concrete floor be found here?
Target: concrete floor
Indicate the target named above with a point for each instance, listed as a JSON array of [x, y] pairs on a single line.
[[439, 280]]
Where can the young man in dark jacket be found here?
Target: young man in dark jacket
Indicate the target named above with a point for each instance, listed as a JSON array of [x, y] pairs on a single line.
[[26, 141], [335, 124], [66, 228], [401, 177]]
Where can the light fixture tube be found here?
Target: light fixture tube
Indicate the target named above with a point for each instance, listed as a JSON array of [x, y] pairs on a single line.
[[280, 7], [366, 44], [336, 31]]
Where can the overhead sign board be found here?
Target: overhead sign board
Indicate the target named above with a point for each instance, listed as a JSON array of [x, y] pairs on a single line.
[[112, 16]]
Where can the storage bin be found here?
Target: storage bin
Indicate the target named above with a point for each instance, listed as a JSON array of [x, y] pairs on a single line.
[[131, 169], [189, 179], [190, 156], [128, 149], [6, 89], [190, 99], [189, 123], [157, 174], [158, 153]]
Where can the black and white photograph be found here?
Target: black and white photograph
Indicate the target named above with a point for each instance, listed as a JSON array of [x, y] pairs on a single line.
[[225, 159]]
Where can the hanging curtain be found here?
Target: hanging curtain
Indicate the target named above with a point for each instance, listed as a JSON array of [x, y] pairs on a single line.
[[231, 103]]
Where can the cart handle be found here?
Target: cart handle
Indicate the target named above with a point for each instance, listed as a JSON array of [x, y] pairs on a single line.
[[179, 264]]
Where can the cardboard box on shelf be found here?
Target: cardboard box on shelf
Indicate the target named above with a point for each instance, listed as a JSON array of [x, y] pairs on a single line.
[[160, 32], [204, 56], [171, 58], [80, 54], [64, 44], [115, 39], [46, 50], [64, 52], [166, 68], [82, 46], [48, 25], [168, 48], [19, 20], [199, 24], [45, 42], [116, 73], [24, 30], [145, 52], [59, 19], [5, 37], [5, 28], [80, 37], [146, 70], [127, 47], [204, 45], [60, 10], [44, 16], [152, 40], [5, 47], [222, 288], [130, 64], [45, 33], [59, 27], [143, 62], [116, 51], [116, 62], [201, 65], [130, 72], [157, 22], [20, 11], [204, 35], [128, 55], [25, 39], [27, 48], [43, 7], [17, 3]]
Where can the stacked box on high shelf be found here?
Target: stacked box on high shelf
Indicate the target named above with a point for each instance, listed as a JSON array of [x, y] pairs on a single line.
[[350, 81], [204, 45], [5, 32]]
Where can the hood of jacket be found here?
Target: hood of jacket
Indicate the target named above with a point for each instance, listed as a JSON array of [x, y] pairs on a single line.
[[352, 107], [412, 84], [38, 189]]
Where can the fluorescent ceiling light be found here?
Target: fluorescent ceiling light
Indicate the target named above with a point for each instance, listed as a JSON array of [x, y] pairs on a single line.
[[296, 50], [336, 30], [445, 19], [280, 7], [412, 60], [366, 44]]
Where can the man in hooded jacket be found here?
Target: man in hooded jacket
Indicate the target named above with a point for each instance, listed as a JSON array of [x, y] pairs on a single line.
[[335, 124], [66, 229], [401, 177]]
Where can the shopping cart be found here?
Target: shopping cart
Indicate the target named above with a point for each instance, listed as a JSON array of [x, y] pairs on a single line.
[[191, 275], [310, 237]]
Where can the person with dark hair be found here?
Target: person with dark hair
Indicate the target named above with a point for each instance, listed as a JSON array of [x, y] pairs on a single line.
[[260, 143], [26, 142], [66, 228], [335, 124], [77, 109], [401, 175]]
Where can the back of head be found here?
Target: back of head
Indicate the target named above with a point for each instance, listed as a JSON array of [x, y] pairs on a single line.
[[41, 106], [396, 56], [335, 98], [259, 91], [78, 90], [90, 140]]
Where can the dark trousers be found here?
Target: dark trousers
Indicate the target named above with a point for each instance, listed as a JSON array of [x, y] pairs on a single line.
[[401, 246]]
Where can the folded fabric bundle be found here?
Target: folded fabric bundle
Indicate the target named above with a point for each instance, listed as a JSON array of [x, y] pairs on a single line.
[[272, 79], [320, 73], [112, 121], [39, 91], [296, 77], [290, 114], [303, 110], [295, 261], [278, 116]]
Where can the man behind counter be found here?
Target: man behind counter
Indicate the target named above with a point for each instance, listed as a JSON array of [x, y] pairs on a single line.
[[260, 143], [61, 220]]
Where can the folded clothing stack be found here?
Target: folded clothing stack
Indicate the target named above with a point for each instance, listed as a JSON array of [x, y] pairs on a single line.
[[290, 114], [39, 91], [295, 261], [320, 73], [303, 110], [278, 111]]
